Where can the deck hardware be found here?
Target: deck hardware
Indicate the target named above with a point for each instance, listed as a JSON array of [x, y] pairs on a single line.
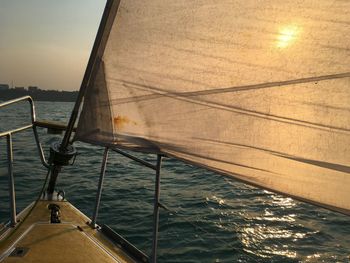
[[8, 134], [100, 186], [156, 204], [55, 213], [156, 209], [19, 252], [25, 127], [58, 157], [134, 158], [62, 194], [11, 180]]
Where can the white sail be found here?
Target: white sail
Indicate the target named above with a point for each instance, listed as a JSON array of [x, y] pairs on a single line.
[[259, 90]]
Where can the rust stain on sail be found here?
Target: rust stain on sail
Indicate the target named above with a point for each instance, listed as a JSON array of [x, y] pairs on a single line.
[[121, 121]]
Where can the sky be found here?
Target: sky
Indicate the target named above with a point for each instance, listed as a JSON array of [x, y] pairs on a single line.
[[47, 43]]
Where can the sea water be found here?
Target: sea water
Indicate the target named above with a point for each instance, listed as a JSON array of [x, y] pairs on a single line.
[[210, 218]]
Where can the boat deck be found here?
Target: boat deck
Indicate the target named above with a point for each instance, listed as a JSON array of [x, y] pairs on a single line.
[[73, 240]]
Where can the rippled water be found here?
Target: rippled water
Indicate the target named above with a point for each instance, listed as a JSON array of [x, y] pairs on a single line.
[[211, 218]]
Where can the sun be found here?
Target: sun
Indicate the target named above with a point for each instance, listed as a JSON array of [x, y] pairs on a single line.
[[287, 35]]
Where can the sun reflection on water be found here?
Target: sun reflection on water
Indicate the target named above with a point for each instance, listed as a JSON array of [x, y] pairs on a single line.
[[269, 234], [257, 238], [283, 202]]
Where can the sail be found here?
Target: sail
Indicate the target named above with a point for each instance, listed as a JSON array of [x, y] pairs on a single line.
[[258, 90]]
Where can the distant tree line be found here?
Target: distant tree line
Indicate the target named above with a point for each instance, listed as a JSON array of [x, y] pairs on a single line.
[[7, 93]]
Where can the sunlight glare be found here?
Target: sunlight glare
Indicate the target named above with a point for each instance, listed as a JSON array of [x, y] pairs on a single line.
[[287, 35]]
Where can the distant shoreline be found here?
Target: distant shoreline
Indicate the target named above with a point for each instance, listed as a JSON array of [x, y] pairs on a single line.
[[39, 95]]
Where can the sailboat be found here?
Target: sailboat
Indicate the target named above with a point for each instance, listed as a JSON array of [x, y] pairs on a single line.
[[254, 91]]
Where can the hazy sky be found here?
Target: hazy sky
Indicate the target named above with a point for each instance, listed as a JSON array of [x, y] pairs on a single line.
[[47, 43]]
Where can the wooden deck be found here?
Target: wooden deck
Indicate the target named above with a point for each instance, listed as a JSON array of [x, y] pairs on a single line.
[[72, 240]]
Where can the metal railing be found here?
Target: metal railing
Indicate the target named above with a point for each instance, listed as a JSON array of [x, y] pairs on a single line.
[[156, 204], [8, 134], [34, 124]]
